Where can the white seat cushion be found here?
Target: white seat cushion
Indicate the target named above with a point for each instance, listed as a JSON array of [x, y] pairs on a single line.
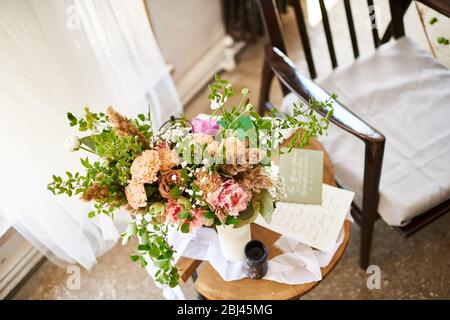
[[405, 94]]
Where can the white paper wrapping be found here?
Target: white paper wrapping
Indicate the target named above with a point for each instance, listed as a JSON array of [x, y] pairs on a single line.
[[298, 264]]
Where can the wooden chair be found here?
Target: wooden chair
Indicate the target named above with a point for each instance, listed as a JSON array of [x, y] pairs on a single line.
[[277, 64]]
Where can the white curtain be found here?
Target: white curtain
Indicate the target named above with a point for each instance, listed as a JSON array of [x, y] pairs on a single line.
[[58, 56]]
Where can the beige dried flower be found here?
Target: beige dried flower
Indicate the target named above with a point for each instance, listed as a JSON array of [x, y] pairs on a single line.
[[133, 211], [208, 182], [96, 192], [254, 180], [255, 155], [168, 158], [234, 169], [136, 195], [145, 167], [124, 127]]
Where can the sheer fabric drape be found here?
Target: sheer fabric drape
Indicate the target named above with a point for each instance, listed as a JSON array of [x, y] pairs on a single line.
[[58, 56]]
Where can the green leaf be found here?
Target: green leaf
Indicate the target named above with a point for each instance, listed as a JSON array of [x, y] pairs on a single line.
[[249, 215], [208, 214], [231, 220], [143, 262], [134, 258], [443, 41], [222, 123], [266, 204], [162, 263], [433, 20], [88, 142], [73, 120], [184, 214], [143, 247], [255, 115], [175, 192], [245, 123], [154, 251], [91, 214], [185, 227]]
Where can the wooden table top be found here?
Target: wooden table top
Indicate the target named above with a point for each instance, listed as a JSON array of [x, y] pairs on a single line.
[[211, 285]]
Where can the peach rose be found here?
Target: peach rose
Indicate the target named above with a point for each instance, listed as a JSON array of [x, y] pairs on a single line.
[[167, 181], [136, 196], [145, 167]]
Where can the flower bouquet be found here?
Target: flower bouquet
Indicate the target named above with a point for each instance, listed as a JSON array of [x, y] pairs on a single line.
[[212, 171]]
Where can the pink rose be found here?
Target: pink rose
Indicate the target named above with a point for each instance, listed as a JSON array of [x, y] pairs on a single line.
[[197, 218], [206, 126], [229, 199], [173, 208]]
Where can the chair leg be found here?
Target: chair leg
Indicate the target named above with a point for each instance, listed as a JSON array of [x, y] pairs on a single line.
[[266, 81], [372, 172], [366, 241]]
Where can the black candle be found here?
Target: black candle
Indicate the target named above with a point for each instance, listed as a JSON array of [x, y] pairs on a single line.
[[255, 259]]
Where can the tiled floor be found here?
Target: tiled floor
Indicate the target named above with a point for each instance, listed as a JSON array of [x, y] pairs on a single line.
[[413, 268]]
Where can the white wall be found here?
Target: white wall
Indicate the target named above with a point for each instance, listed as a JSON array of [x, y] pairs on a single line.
[[190, 35]]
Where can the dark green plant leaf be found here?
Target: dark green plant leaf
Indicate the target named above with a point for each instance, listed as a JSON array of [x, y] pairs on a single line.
[[249, 215], [266, 204], [175, 192], [88, 142], [185, 227]]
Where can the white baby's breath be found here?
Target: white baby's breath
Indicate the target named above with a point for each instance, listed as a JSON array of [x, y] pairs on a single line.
[[218, 102]]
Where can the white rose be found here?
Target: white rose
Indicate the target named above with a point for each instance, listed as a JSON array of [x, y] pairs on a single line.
[[72, 143]]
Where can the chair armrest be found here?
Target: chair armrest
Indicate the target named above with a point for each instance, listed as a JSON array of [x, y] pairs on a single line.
[[306, 89], [441, 6]]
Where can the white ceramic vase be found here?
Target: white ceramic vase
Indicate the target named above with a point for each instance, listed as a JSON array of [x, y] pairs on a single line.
[[233, 240]]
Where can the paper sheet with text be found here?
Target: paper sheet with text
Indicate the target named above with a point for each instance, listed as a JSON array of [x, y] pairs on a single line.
[[315, 225]]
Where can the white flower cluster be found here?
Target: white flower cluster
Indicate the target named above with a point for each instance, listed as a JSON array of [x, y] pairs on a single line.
[[175, 133], [73, 143], [278, 189]]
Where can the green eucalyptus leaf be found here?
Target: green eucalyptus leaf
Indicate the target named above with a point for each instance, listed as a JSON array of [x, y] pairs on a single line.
[[88, 142], [266, 204]]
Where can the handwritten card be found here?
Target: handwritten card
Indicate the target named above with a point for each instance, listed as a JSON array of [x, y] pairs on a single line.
[[315, 225], [302, 170]]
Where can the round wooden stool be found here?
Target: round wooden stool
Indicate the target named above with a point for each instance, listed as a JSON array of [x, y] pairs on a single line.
[[211, 285]]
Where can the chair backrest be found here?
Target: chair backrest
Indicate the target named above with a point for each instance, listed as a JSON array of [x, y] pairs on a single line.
[[395, 27]]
